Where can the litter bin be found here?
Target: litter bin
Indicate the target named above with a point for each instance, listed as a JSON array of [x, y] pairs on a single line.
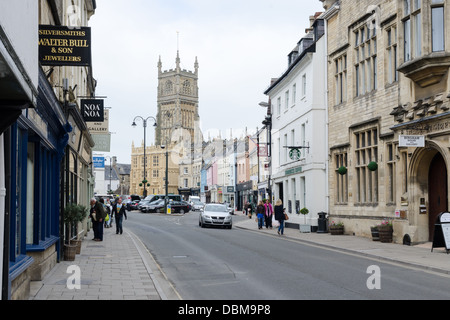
[[322, 222]]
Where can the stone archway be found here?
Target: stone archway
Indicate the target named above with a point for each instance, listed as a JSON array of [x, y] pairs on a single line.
[[428, 182]]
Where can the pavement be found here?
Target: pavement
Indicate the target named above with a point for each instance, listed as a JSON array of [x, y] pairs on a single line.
[[121, 268]]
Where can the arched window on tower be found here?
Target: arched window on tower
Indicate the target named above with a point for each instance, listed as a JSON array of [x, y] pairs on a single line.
[[168, 88], [187, 87]]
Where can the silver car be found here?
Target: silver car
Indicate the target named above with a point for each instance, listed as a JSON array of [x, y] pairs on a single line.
[[215, 215], [198, 206]]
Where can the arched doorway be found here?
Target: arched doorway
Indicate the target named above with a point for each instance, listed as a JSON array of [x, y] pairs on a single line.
[[437, 191]]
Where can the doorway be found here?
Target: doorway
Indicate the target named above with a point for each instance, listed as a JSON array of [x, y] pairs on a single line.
[[437, 191]]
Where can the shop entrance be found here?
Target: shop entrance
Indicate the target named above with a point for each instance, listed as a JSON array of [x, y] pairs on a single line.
[[437, 191]]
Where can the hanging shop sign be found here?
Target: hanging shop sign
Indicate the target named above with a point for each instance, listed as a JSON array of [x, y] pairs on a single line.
[[100, 127], [295, 154], [412, 141], [99, 162], [93, 110], [102, 142], [64, 46]]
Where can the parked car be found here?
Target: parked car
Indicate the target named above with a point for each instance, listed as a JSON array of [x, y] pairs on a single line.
[[142, 203], [134, 205], [153, 206], [158, 206], [215, 215], [197, 206]]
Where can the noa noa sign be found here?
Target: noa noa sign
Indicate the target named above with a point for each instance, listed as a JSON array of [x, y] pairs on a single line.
[[93, 110]]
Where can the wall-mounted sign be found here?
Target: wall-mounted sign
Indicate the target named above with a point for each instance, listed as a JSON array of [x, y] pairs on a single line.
[[64, 46], [412, 141], [92, 110]]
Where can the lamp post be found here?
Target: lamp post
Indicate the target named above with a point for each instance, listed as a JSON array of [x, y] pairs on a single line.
[[268, 124], [145, 146], [166, 182], [110, 174]]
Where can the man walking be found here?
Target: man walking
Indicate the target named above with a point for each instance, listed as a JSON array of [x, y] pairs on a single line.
[[97, 215]]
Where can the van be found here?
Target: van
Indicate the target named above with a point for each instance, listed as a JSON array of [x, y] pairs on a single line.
[[193, 199]]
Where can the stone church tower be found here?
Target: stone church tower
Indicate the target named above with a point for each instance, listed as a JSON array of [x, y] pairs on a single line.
[[177, 103]]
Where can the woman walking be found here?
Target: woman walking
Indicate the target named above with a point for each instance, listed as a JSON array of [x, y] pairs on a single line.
[[119, 210], [279, 215], [260, 214], [268, 213]]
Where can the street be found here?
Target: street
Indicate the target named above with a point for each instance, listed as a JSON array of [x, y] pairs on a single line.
[[238, 264]]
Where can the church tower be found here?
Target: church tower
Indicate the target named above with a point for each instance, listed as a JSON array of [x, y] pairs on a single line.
[[177, 102]]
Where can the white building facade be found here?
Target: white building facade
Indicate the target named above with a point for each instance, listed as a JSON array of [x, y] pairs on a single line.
[[299, 119]]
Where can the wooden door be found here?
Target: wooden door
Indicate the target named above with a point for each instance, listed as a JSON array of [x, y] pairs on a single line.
[[437, 191]]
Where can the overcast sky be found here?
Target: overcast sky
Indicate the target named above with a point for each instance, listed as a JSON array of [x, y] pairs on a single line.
[[240, 45]]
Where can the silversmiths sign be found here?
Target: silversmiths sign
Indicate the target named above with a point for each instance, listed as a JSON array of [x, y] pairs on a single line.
[[64, 46]]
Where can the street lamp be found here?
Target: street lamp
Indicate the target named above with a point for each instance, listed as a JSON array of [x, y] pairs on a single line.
[[268, 124], [110, 176], [166, 200], [145, 159]]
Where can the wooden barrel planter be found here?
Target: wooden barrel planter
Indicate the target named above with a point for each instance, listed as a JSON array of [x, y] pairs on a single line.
[[69, 252], [336, 230], [385, 233]]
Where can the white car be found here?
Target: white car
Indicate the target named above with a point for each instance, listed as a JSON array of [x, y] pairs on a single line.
[[198, 206], [215, 215]]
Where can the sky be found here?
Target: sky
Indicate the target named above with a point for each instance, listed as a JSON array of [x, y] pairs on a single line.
[[240, 46]]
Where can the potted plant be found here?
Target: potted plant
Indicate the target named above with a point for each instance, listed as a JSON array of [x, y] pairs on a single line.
[[304, 227], [81, 214], [336, 228], [73, 213], [70, 218], [385, 230]]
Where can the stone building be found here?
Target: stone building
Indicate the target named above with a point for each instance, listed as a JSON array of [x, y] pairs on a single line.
[[155, 171], [388, 77]]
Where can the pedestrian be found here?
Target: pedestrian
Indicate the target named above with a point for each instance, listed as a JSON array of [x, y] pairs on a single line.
[[246, 207], [97, 215], [107, 206], [268, 210], [260, 214], [119, 211], [279, 215]]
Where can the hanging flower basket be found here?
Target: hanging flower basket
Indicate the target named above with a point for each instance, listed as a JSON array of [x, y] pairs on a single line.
[[373, 166], [342, 170]]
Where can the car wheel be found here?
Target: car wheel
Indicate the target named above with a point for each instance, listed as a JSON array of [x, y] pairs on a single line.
[[182, 211]]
